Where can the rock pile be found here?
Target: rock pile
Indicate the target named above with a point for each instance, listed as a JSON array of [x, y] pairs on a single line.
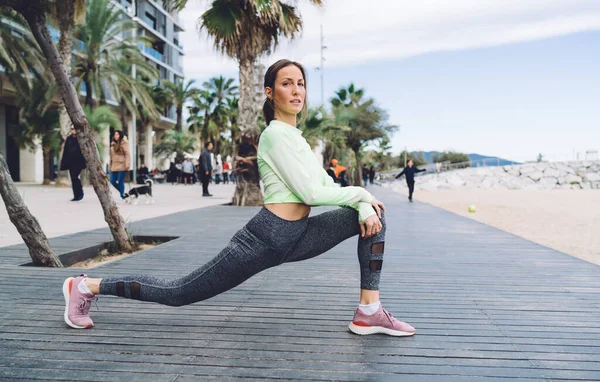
[[536, 176]]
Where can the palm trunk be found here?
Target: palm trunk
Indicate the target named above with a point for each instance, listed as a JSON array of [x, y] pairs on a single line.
[[37, 22], [89, 99], [47, 157], [123, 116], [327, 154], [39, 249], [66, 15], [247, 191], [358, 172], [233, 143], [179, 111]]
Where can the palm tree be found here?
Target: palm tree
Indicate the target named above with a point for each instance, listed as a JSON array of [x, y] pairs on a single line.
[[34, 12], [322, 128], [101, 118], [221, 90], [245, 30], [180, 93], [363, 120], [66, 13], [175, 142], [232, 118], [38, 120], [131, 89], [348, 97], [20, 54], [98, 64]]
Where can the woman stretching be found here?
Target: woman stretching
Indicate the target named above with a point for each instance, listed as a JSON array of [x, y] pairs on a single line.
[[280, 233]]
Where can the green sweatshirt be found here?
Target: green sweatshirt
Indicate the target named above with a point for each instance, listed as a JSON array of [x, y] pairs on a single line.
[[291, 173]]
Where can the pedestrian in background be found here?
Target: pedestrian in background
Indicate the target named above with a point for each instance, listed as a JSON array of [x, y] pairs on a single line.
[[73, 160]]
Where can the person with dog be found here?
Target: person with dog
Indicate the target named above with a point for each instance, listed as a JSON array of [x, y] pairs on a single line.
[[409, 171], [120, 161], [133, 196], [73, 161], [281, 232], [206, 168]]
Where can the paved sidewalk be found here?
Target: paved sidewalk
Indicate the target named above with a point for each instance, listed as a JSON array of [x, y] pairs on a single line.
[[487, 305], [59, 216]]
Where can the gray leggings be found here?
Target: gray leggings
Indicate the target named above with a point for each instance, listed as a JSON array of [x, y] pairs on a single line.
[[266, 241]]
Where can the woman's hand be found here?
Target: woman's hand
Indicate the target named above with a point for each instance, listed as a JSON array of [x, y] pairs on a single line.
[[370, 227], [378, 207]]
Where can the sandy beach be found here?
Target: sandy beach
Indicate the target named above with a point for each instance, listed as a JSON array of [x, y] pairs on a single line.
[[566, 220]]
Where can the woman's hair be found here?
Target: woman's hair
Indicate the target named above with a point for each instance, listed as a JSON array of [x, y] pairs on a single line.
[[120, 136], [270, 76]]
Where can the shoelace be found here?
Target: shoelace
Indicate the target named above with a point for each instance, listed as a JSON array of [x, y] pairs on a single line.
[[86, 304], [390, 317]]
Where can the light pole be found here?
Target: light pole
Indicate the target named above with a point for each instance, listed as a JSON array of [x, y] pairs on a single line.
[[133, 118], [321, 69]]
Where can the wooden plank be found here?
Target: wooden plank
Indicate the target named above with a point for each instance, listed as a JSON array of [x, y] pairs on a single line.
[[487, 306]]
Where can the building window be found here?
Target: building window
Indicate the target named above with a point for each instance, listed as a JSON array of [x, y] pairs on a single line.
[[150, 20]]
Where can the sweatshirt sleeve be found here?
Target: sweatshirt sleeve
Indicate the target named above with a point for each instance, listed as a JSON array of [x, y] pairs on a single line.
[[402, 173], [286, 163], [364, 209]]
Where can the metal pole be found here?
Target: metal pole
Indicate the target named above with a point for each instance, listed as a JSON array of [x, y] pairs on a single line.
[[133, 123], [322, 60]]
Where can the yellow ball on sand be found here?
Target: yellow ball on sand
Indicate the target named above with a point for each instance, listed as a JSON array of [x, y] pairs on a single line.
[[472, 208]]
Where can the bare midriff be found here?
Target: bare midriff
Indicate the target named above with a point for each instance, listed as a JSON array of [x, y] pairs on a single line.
[[289, 211]]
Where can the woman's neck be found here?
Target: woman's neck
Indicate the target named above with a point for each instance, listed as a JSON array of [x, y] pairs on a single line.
[[290, 119]]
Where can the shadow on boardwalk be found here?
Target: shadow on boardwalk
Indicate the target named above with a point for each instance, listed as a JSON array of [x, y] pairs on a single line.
[[487, 306]]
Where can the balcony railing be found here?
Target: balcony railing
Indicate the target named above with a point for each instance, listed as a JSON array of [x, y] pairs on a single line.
[[151, 52]]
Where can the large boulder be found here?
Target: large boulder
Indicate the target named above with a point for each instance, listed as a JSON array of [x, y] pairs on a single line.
[[573, 179], [564, 168], [551, 173], [527, 169], [537, 175], [591, 177], [455, 181], [548, 182]]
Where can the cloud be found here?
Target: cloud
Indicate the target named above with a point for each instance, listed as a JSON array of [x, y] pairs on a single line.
[[356, 31]]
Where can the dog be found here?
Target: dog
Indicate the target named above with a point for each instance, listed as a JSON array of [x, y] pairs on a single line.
[[141, 190]]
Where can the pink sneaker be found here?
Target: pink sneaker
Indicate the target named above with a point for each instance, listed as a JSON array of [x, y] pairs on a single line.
[[379, 322], [77, 304]]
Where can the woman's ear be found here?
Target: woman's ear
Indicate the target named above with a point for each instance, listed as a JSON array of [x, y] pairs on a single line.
[[269, 93]]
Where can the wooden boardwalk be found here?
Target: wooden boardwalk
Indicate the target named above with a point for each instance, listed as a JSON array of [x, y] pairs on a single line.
[[487, 305]]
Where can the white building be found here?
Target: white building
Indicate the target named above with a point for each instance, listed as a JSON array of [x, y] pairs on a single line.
[[163, 29]]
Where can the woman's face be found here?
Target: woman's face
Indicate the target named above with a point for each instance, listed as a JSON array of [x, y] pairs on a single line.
[[116, 136], [290, 91]]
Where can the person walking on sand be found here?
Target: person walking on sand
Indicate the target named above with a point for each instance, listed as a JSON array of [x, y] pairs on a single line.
[[281, 232], [73, 161], [409, 172]]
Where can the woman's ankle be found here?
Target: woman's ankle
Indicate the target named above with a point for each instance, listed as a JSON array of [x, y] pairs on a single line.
[[368, 296], [93, 285]]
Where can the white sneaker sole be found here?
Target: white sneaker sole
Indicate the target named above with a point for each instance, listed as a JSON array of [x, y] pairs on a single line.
[[67, 294], [366, 330]]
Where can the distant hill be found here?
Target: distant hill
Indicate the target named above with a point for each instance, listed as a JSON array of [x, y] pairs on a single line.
[[475, 159], [489, 161]]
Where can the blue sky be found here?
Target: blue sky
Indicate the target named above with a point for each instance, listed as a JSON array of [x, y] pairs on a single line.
[[510, 82]]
